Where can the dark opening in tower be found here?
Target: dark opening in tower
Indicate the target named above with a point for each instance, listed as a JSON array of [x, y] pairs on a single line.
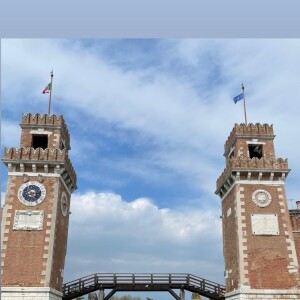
[[255, 151], [40, 141]]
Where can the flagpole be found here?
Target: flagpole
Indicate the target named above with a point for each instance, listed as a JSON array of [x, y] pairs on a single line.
[[243, 88], [49, 105]]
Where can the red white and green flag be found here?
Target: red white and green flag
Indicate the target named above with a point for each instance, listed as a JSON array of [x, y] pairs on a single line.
[[47, 89]]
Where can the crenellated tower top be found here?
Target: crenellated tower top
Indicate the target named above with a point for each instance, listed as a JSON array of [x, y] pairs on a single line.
[[42, 119], [257, 130], [44, 131], [250, 155], [44, 145]]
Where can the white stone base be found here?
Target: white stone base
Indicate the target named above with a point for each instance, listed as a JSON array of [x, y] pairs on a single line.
[[250, 294], [30, 293]]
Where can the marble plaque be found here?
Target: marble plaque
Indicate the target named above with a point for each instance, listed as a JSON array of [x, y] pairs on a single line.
[[28, 220], [264, 224]]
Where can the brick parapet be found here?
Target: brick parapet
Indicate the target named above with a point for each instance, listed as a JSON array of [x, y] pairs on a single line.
[[36, 120], [256, 130], [254, 164], [43, 119], [40, 156], [34, 154]]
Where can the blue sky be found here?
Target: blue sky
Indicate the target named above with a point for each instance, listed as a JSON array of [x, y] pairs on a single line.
[[148, 120]]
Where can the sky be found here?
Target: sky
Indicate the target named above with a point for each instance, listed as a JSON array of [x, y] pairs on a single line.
[[148, 120]]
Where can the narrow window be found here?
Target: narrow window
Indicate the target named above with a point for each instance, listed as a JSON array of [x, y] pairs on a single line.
[[62, 145], [255, 151], [40, 141], [231, 152]]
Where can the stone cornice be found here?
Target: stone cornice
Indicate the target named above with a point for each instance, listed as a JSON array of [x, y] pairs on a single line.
[[47, 157], [254, 165]]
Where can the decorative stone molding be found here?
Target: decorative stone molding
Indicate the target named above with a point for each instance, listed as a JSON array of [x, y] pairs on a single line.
[[40, 178], [30, 293], [244, 293], [44, 157], [263, 165], [25, 177]]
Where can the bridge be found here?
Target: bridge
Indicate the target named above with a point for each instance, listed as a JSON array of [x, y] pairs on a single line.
[[142, 282]]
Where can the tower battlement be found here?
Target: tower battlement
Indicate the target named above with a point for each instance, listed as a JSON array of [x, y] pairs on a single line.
[[34, 154], [42, 119], [267, 167], [243, 130], [45, 121], [40, 160]]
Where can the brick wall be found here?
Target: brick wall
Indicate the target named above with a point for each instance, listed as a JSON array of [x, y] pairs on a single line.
[[272, 263], [295, 222], [230, 241], [60, 242], [24, 252]]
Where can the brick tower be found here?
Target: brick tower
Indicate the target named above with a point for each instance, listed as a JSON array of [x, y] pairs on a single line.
[[35, 215], [258, 243]]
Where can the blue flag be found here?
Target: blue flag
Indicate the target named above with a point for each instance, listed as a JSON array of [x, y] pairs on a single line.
[[238, 98]]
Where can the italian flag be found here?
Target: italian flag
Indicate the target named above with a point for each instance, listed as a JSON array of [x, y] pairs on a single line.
[[47, 89]]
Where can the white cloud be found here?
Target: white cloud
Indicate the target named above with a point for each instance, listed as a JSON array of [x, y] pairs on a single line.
[[138, 236], [108, 211]]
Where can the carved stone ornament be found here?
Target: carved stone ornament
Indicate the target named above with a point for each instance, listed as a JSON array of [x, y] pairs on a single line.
[[40, 178], [261, 198], [25, 178]]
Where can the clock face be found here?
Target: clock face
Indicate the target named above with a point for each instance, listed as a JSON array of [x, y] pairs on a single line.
[[261, 198], [31, 193], [64, 205]]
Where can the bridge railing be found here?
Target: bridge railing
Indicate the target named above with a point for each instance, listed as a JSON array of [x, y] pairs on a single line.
[[142, 281], [205, 284]]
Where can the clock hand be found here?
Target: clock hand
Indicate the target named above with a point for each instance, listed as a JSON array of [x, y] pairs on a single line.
[[31, 193]]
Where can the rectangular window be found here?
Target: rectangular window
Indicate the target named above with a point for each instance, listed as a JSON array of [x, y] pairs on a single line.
[[40, 141], [255, 151]]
